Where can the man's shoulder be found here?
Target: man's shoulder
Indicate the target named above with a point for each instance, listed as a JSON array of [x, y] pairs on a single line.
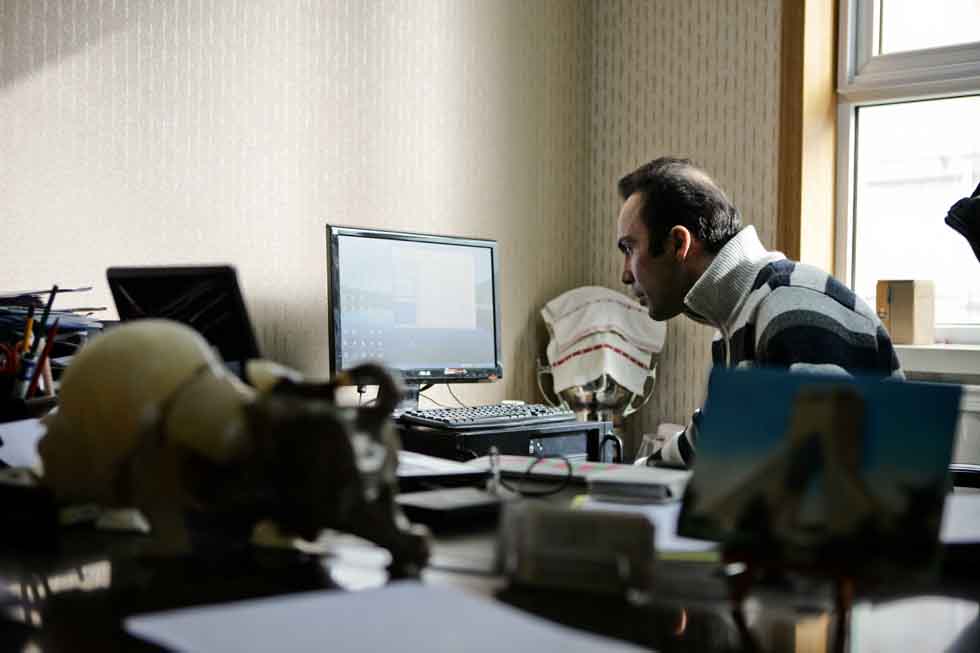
[[792, 281]]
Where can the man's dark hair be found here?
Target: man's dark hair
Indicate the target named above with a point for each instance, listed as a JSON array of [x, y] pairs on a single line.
[[676, 192]]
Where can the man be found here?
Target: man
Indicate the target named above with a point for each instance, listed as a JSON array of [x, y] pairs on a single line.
[[685, 251]]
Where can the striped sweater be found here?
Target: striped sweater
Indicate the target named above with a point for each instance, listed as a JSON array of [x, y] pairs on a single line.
[[770, 311]]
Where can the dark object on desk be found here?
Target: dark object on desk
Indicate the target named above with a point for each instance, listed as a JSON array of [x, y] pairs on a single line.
[[228, 455], [575, 440], [965, 475], [964, 217], [206, 298], [306, 449], [15, 409], [841, 478], [833, 473], [30, 516], [448, 508]]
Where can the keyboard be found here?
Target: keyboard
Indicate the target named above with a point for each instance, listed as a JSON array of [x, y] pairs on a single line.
[[482, 417]]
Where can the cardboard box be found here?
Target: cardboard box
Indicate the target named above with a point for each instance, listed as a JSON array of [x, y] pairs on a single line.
[[907, 308]]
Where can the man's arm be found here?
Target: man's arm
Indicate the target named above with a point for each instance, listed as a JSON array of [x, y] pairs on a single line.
[[679, 449]]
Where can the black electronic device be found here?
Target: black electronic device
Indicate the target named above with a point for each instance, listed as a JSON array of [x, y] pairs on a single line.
[[577, 441], [488, 416], [427, 306], [206, 298]]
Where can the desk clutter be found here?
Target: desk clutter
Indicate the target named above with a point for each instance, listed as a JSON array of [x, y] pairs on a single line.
[[35, 343], [206, 457], [208, 460]]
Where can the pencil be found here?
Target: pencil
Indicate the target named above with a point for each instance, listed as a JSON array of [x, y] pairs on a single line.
[[28, 330], [48, 344], [44, 318], [47, 376]]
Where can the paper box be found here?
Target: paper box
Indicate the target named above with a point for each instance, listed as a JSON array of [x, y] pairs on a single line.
[[907, 308]]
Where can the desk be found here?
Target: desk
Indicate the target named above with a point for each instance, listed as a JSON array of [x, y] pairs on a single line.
[[75, 600]]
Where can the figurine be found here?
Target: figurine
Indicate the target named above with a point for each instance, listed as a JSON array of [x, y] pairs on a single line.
[[149, 417]]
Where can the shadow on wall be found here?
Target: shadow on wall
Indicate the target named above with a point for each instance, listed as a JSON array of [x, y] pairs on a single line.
[[34, 35]]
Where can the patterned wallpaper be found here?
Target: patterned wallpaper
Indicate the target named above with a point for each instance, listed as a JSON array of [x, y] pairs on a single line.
[[205, 131], [198, 131], [694, 78]]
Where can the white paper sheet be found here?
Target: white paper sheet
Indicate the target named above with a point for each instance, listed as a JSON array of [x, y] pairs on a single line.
[[664, 517], [20, 440], [405, 616], [417, 464], [961, 519]]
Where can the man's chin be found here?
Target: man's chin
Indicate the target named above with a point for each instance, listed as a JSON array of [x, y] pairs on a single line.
[[660, 315]]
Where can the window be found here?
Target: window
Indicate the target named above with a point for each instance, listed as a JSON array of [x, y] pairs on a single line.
[[908, 147]]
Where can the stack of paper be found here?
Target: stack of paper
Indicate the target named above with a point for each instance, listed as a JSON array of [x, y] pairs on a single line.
[[638, 484]]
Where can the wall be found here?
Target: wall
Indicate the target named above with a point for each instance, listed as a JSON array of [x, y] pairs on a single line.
[[194, 131], [695, 78], [232, 131]]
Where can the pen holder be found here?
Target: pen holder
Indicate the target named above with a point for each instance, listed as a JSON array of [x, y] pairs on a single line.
[[24, 374]]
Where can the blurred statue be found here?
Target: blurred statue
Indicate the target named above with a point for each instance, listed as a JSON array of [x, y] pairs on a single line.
[[150, 418]]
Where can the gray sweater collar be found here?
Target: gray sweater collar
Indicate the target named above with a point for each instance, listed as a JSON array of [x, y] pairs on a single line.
[[720, 291]]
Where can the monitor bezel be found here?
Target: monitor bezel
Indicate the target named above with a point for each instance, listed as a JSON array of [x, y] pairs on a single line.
[[424, 375]]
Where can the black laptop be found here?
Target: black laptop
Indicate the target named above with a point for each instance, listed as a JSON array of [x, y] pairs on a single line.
[[207, 298]]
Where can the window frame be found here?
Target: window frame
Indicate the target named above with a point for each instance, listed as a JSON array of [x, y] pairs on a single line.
[[866, 79]]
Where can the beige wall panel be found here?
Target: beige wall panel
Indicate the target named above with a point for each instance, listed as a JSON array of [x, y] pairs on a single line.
[[198, 131], [695, 78]]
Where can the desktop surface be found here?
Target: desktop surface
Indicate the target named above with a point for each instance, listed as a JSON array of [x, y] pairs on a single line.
[[77, 599]]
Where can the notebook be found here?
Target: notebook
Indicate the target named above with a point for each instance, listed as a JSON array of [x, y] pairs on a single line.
[[831, 472]]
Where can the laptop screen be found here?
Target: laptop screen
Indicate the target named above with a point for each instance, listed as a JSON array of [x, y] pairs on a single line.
[[826, 471], [206, 298]]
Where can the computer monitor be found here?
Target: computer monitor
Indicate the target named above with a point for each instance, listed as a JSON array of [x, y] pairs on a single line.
[[427, 306], [206, 298]]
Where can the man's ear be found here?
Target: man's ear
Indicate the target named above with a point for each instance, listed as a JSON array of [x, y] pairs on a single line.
[[681, 240]]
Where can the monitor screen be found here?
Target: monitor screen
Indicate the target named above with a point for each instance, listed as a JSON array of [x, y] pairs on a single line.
[[207, 298], [424, 305]]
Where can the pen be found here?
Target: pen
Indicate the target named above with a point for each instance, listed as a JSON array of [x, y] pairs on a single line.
[[44, 318], [28, 330], [45, 353]]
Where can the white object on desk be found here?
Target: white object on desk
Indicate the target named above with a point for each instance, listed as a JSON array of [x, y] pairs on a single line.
[[405, 616], [629, 483], [664, 517], [961, 519], [20, 440], [412, 464]]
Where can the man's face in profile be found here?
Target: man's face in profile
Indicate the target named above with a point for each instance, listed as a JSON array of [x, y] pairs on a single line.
[[656, 281]]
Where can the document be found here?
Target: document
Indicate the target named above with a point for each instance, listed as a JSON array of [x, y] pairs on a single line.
[[664, 517], [404, 616], [18, 443], [961, 519]]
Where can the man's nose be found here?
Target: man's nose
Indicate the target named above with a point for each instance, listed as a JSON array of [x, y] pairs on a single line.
[[627, 277]]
